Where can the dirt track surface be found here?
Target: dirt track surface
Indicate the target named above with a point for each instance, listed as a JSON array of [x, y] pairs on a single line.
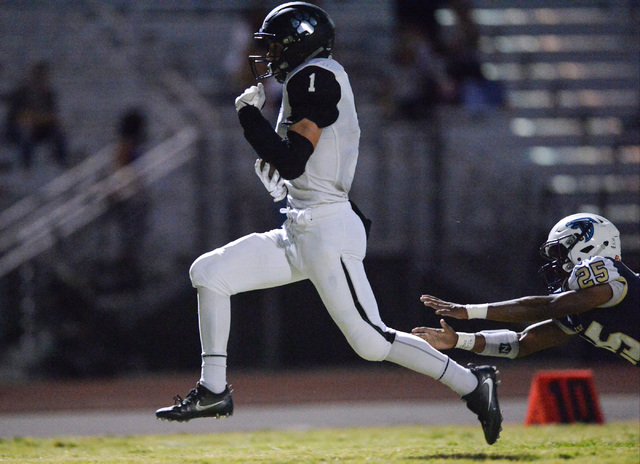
[[366, 384]]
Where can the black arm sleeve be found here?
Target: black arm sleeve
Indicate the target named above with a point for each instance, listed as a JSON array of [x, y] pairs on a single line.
[[289, 155]]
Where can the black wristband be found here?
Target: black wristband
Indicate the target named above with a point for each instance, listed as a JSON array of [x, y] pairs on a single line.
[[289, 156]]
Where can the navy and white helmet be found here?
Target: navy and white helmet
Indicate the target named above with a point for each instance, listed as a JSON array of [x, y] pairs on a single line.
[[303, 31], [575, 239]]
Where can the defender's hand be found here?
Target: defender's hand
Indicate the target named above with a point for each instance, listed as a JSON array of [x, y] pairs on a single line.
[[445, 308], [271, 180], [441, 339], [253, 96]]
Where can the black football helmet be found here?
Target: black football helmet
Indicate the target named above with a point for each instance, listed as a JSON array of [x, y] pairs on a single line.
[[300, 31]]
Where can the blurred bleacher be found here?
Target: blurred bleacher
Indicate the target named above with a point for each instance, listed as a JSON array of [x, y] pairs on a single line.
[[459, 203]]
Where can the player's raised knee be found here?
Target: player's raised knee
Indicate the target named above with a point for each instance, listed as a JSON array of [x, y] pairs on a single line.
[[205, 269]]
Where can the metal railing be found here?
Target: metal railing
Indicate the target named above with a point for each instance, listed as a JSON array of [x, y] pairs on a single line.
[[68, 203]]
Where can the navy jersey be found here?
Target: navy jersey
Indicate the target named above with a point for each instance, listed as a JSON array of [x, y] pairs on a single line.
[[608, 326]]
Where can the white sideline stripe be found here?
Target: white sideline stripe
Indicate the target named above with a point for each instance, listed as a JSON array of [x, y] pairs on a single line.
[[289, 417]]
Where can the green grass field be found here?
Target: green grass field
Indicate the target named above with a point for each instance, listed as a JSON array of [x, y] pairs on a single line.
[[610, 443]]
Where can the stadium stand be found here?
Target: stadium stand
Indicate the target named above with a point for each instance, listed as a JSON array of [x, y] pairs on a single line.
[[449, 198]]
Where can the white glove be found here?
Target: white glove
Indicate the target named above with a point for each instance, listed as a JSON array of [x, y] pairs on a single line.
[[253, 96], [274, 185]]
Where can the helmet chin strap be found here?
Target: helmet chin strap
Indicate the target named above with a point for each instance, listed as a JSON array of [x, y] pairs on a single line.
[[284, 64], [310, 57], [314, 54]]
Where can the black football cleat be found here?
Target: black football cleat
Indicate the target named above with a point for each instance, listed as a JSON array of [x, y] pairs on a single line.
[[483, 401], [200, 402]]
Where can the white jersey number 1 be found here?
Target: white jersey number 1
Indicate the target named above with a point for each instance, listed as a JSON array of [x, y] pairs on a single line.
[[312, 82]]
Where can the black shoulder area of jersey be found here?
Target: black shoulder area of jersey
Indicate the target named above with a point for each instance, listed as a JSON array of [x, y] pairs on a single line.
[[314, 94]]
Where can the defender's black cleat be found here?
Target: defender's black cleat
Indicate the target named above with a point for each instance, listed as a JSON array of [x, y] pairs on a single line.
[[483, 401], [200, 402]]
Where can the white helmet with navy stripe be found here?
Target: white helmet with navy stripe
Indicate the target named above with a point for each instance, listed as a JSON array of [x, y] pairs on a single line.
[[575, 239]]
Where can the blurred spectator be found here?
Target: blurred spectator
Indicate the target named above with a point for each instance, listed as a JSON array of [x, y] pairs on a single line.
[[415, 80], [132, 134], [454, 51], [32, 116], [131, 205], [472, 88]]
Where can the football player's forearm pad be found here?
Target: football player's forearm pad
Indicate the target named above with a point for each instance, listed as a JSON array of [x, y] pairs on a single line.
[[503, 343], [289, 156]]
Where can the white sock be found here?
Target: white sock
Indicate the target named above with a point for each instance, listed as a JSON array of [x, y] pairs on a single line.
[[214, 316], [458, 378], [214, 372], [414, 353]]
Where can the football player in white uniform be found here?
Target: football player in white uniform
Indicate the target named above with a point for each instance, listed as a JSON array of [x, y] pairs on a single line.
[[310, 159], [592, 294]]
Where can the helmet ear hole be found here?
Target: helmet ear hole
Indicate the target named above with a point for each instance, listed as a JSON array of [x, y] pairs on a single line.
[[587, 249]]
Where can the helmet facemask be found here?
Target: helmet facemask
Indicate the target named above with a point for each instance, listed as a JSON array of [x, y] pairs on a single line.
[[559, 267], [271, 63]]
